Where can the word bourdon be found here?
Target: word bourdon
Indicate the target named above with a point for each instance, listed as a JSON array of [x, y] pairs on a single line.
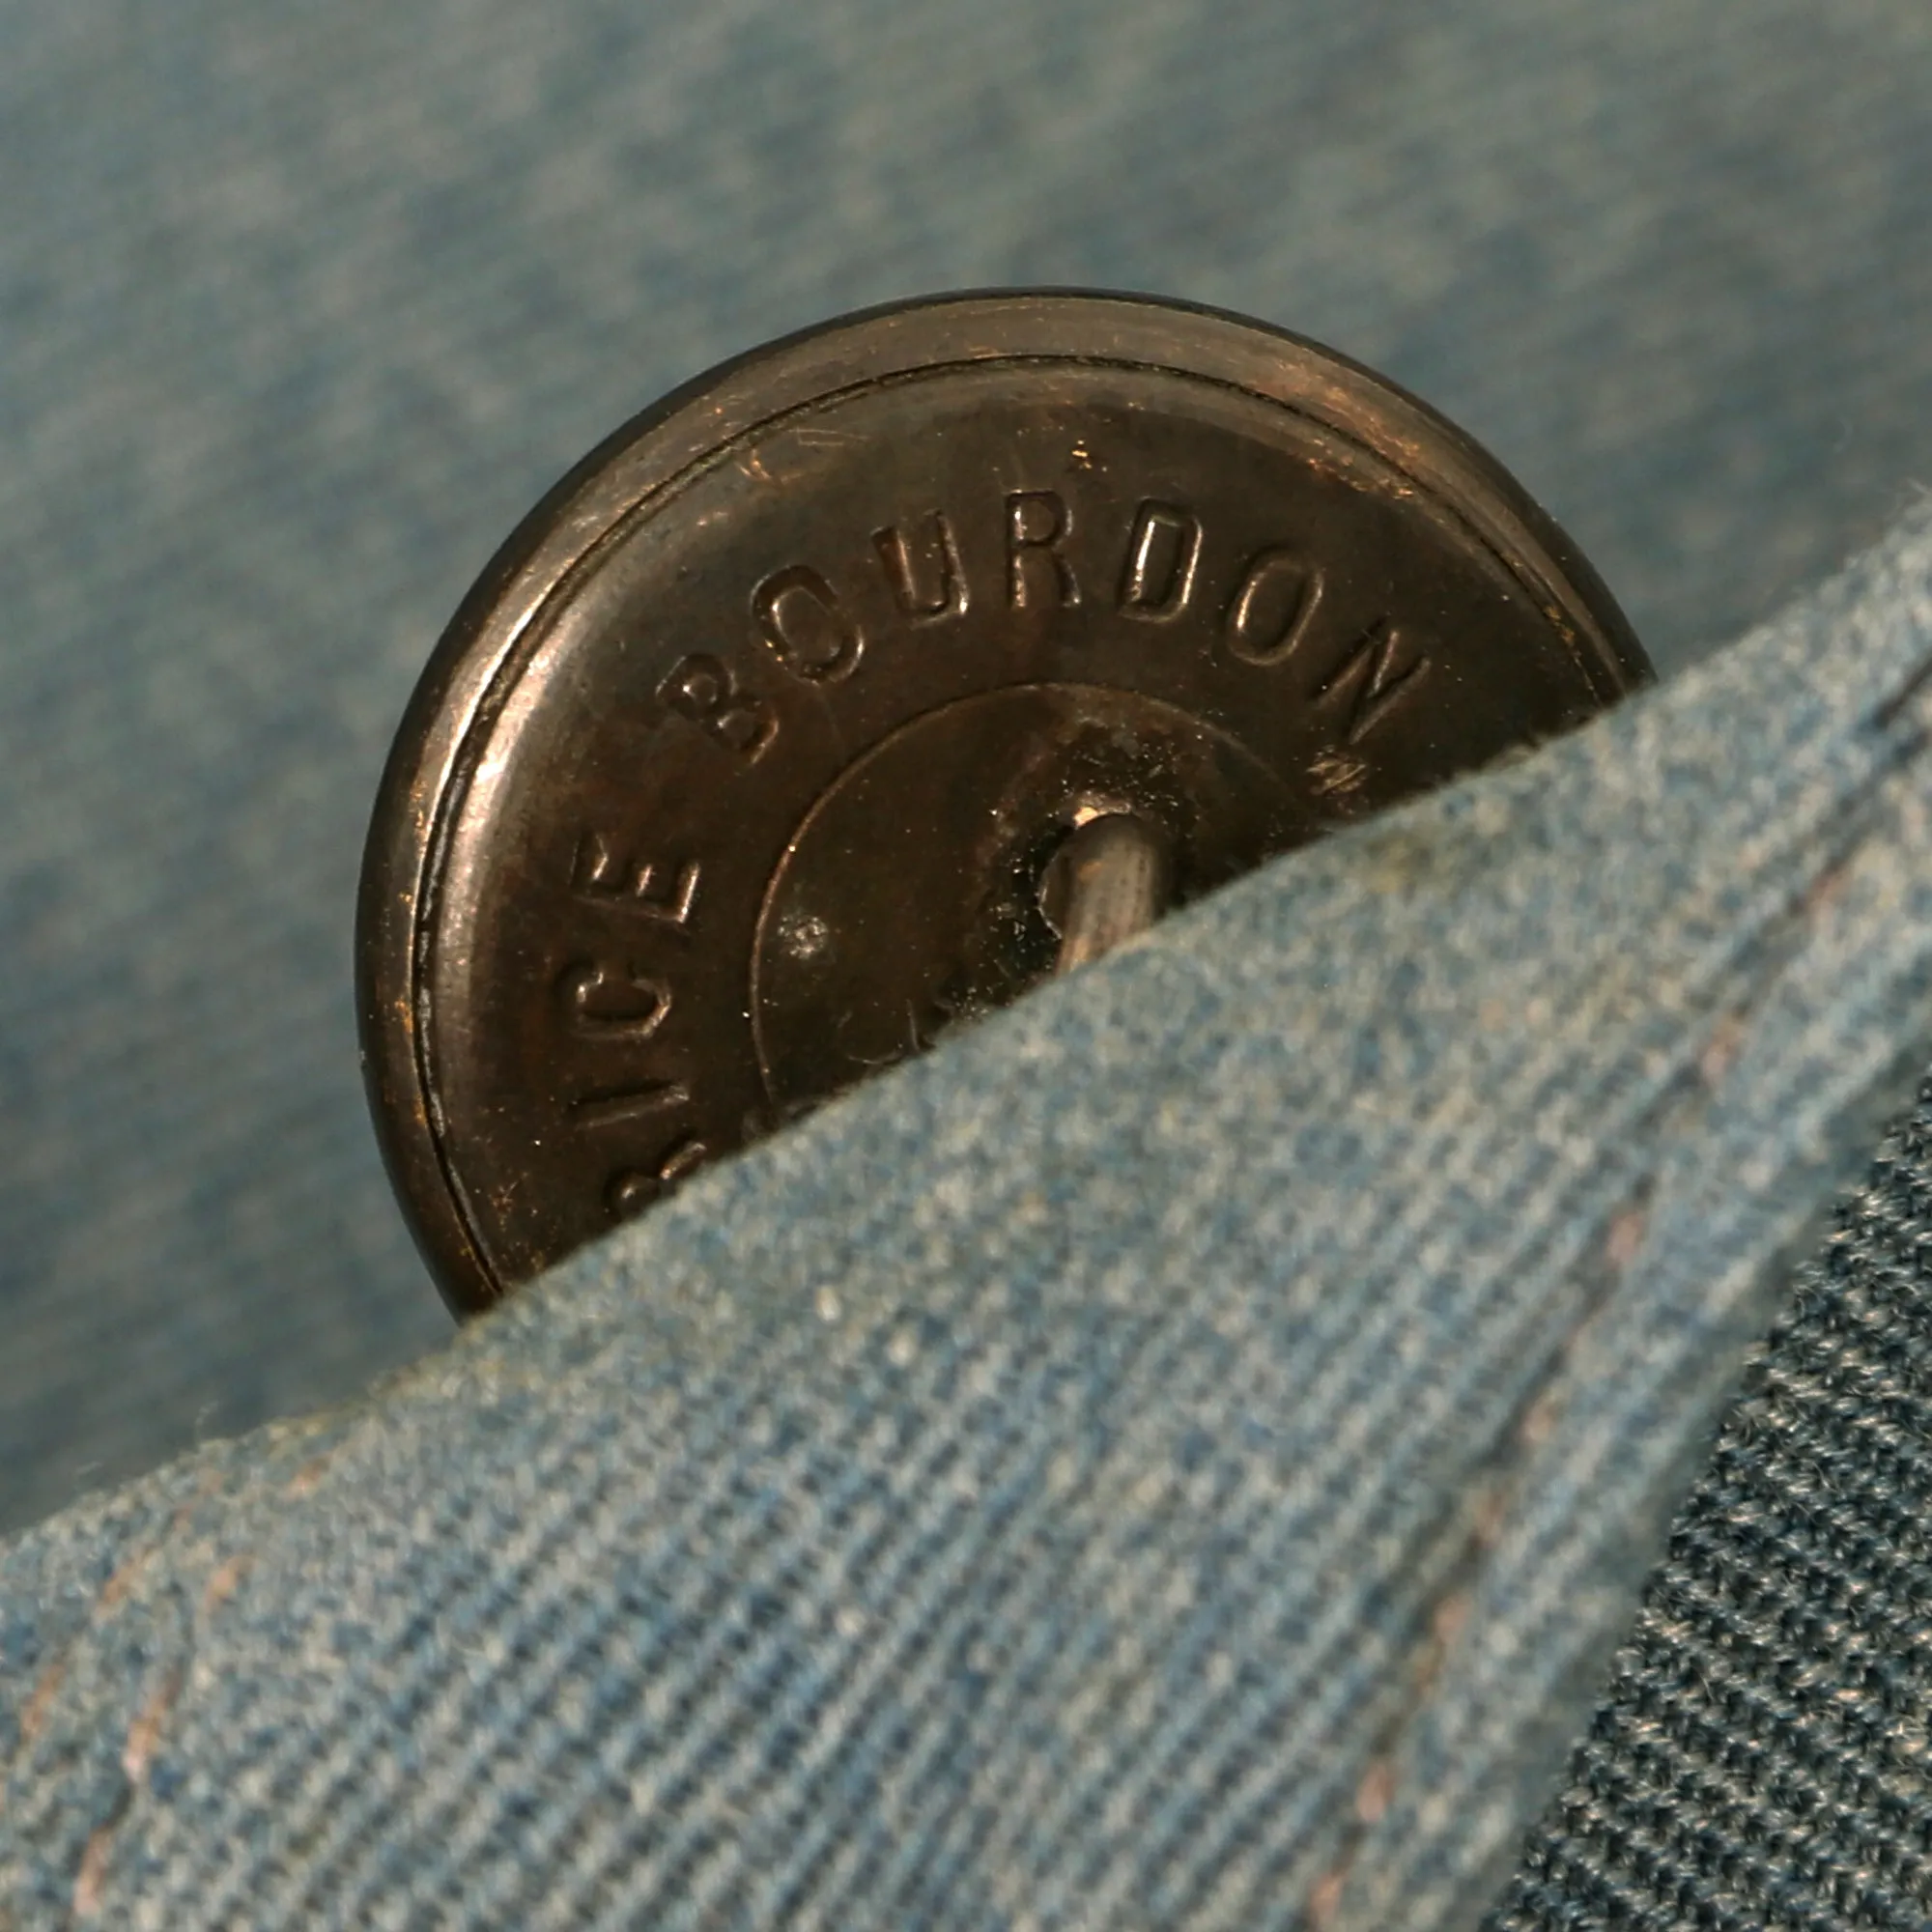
[[814, 637], [1269, 611]]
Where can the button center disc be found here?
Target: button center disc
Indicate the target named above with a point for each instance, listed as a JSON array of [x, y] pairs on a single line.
[[911, 898]]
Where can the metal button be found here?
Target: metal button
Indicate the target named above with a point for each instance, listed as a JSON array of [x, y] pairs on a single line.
[[867, 680]]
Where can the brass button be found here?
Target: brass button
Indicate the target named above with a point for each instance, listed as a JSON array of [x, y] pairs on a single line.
[[773, 745]]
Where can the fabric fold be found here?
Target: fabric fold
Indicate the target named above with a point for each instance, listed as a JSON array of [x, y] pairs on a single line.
[[1181, 1455]]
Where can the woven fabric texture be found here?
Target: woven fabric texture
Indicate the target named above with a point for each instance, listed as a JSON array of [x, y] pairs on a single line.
[[301, 306], [1762, 1758], [1181, 1455]]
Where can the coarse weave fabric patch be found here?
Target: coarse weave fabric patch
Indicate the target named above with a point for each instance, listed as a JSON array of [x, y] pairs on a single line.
[[1762, 1755]]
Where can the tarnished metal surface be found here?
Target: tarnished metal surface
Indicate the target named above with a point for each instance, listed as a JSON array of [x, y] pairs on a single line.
[[743, 771]]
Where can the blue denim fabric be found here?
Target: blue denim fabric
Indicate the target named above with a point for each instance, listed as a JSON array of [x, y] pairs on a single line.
[[300, 306], [1180, 1455]]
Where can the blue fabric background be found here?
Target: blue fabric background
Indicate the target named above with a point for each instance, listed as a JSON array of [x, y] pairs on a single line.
[[301, 305]]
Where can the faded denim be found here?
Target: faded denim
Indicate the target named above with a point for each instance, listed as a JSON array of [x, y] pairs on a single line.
[[1181, 1455]]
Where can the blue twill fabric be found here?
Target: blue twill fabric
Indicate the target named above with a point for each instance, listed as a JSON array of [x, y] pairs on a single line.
[[1190, 1454], [1181, 1455]]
